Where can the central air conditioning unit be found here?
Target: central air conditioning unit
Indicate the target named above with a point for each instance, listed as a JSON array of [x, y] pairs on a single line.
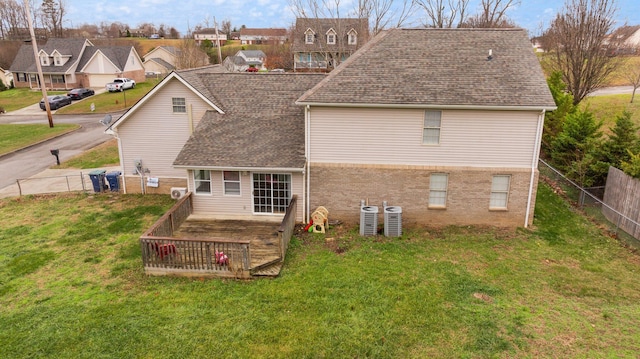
[[178, 192]]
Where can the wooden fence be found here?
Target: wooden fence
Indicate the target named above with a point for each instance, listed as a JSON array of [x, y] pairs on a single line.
[[622, 201]]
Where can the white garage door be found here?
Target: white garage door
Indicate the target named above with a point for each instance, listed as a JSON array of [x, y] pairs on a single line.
[[100, 80]]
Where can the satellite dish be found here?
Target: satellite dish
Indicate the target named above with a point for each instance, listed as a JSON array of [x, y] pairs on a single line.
[[106, 120]]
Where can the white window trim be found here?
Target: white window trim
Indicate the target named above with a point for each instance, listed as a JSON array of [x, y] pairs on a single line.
[[425, 128], [352, 37], [331, 34], [44, 60], [500, 191], [444, 190], [196, 181], [224, 185], [308, 33], [175, 106]]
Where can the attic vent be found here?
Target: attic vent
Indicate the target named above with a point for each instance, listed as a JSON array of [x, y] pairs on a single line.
[[490, 57]]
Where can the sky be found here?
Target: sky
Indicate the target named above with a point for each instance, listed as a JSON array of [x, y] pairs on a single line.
[[532, 15]]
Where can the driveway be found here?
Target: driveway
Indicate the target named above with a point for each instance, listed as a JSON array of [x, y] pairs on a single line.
[[616, 90]]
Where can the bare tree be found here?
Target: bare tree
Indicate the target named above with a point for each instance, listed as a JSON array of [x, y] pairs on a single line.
[[225, 27], [632, 75], [577, 37], [52, 14], [444, 13], [13, 20], [190, 55], [383, 14], [493, 14]]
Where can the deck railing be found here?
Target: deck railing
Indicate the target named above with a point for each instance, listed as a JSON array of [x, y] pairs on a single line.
[[163, 254], [287, 226]]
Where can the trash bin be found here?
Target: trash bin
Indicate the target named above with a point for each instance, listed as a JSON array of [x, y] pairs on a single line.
[[97, 179], [368, 220], [113, 180], [392, 221]]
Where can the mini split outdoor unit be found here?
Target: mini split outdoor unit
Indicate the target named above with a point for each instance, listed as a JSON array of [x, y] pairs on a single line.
[[178, 192]]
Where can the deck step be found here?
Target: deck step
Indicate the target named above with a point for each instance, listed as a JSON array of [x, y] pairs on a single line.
[[269, 271]]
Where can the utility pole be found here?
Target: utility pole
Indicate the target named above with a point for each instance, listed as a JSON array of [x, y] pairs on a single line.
[[215, 24], [38, 66]]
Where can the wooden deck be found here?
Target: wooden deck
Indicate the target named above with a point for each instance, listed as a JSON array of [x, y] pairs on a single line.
[[262, 235]]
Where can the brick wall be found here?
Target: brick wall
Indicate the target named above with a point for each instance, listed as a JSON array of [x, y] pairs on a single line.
[[340, 188]]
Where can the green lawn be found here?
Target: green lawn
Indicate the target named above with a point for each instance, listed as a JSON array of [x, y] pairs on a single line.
[[13, 137], [102, 155], [72, 286], [110, 101], [606, 108], [16, 99]]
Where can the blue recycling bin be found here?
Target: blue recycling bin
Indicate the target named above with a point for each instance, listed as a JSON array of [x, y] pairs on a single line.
[[97, 179], [112, 179]]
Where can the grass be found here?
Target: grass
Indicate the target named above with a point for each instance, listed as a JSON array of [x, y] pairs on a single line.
[[15, 99], [102, 155], [72, 286], [13, 137], [608, 107], [110, 101]]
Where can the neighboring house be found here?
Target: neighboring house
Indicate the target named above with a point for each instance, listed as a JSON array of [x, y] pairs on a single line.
[[625, 40], [253, 58], [235, 64], [322, 44], [69, 63], [263, 36], [162, 59], [6, 77], [211, 35], [452, 139]]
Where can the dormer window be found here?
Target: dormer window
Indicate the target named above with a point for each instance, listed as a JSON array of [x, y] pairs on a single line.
[[352, 36], [309, 36], [331, 37], [44, 59], [57, 60]]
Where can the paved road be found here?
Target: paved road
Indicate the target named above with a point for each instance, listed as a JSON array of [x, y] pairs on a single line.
[[613, 91], [32, 160]]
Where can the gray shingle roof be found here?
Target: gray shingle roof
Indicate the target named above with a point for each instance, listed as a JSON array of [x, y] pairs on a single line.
[[320, 26], [25, 61], [261, 126], [163, 63], [116, 54], [439, 67]]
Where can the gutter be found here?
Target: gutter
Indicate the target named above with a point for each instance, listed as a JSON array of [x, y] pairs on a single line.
[[251, 169], [534, 162], [422, 106]]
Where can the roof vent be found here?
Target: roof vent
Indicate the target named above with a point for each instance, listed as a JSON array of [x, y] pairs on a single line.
[[490, 57]]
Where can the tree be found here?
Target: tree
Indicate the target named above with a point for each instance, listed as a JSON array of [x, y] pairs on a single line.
[[225, 27], [493, 14], [554, 120], [53, 13], [577, 38], [622, 143], [573, 151], [632, 74], [444, 14], [190, 55], [13, 20], [632, 166]]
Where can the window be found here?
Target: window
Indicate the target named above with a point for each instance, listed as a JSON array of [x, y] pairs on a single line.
[[57, 60], [202, 179], [179, 105], [438, 190], [499, 192], [44, 60], [231, 180], [309, 36], [271, 192], [57, 79], [431, 129], [352, 37], [331, 37]]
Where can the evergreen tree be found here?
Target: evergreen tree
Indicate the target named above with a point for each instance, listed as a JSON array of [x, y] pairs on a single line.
[[618, 148], [554, 120], [575, 150]]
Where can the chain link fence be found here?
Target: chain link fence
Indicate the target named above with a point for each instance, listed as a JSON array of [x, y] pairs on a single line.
[[54, 184], [589, 201]]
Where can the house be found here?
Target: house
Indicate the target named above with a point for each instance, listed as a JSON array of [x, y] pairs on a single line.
[[70, 63], [625, 40], [253, 58], [235, 64], [452, 139], [322, 44], [210, 34], [162, 59], [263, 36], [221, 135]]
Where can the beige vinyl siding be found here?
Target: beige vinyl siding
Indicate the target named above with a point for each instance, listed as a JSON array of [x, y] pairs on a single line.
[[220, 205], [161, 53], [133, 62], [156, 135], [394, 136], [101, 65]]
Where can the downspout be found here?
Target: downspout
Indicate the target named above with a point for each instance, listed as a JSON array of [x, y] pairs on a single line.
[[190, 117], [114, 133], [534, 162], [307, 129]]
